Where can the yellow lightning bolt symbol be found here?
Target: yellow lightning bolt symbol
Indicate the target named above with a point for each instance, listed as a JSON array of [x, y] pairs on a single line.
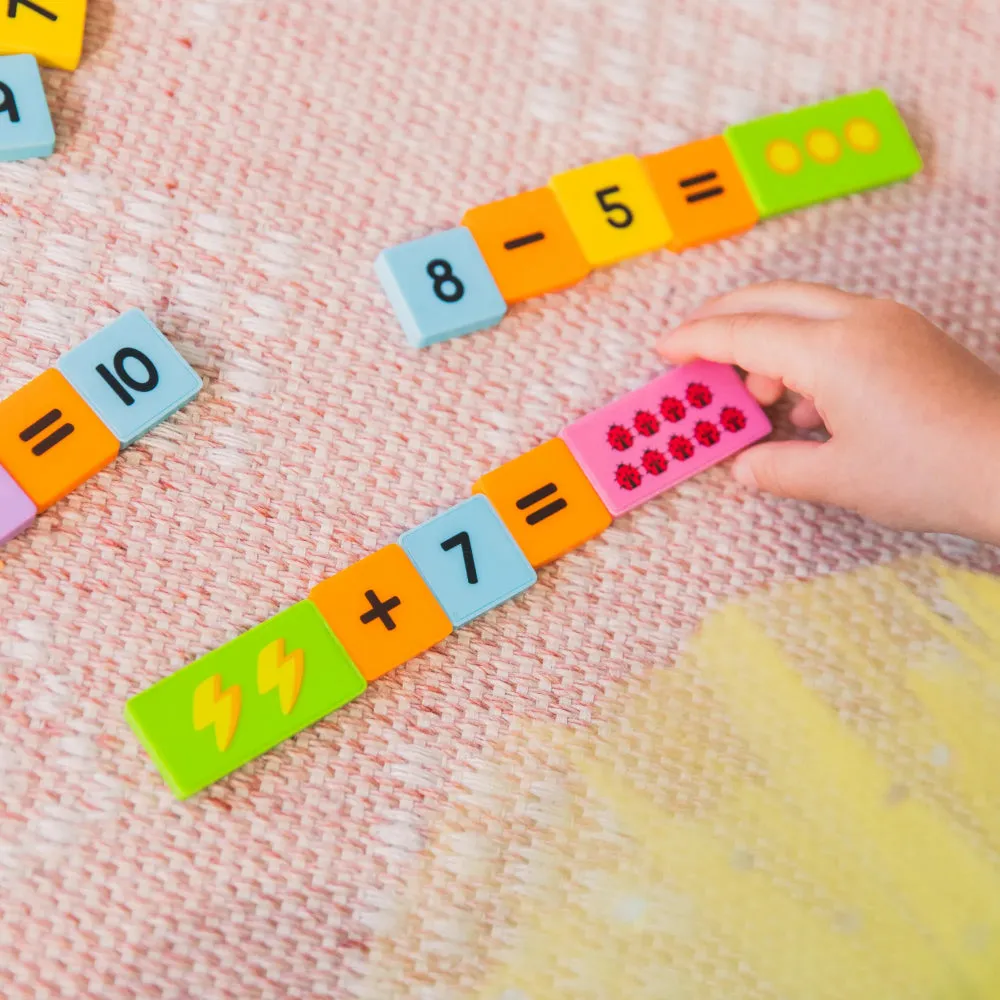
[[212, 704], [276, 669]]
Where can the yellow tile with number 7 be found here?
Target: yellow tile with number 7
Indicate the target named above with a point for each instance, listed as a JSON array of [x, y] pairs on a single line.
[[612, 209], [50, 30]]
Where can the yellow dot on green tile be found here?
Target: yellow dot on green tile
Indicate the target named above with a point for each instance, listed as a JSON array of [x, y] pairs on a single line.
[[823, 146], [862, 135], [784, 156]]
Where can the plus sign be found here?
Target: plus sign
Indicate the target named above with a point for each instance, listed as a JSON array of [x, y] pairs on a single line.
[[380, 609]]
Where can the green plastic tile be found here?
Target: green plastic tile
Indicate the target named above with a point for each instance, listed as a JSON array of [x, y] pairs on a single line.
[[235, 703], [825, 151]]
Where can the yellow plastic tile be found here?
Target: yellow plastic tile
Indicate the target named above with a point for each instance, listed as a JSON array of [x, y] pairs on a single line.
[[381, 611], [612, 209], [546, 502], [51, 440], [50, 30]]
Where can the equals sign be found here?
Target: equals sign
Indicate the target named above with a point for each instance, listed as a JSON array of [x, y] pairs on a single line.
[[704, 178], [523, 241], [537, 497], [43, 424]]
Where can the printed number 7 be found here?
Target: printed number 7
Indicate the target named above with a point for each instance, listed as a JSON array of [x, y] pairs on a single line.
[[615, 206], [462, 538]]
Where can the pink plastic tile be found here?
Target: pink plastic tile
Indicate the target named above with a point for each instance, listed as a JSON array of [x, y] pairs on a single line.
[[16, 508], [667, 431]]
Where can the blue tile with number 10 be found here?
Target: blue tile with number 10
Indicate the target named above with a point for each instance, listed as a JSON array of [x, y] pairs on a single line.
[[440, 287], [25, 123], [469, 559], [131, 375]]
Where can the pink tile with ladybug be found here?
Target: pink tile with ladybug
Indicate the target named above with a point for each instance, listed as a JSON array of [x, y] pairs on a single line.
[[670, 429]]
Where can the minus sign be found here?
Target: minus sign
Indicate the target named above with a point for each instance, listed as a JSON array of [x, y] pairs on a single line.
[[523, 241]]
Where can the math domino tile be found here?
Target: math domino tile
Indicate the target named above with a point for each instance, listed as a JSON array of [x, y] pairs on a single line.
[[612, 209], [440, 287], [702, 192], [17, 510], [217, 713], [25, 123], [131, 375], [51, 440], [527, 244], [382, 611], [469, 559], [667, 431], [546, 501], [50, 30], [825, 151]]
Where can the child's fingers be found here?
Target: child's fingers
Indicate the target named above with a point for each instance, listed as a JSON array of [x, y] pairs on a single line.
[[779, 347], [805, 415], [795, 469], [766, 391], [793, 298]]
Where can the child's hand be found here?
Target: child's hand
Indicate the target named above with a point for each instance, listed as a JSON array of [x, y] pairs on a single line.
[[913, 418]]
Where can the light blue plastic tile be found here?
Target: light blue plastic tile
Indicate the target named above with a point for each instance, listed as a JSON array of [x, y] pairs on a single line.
[[440, 287], [25, 123], [469, 559], [130, 375], [17, 510]]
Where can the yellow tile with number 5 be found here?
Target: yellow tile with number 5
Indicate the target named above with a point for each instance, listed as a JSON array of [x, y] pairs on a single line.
[[50, 30], [612, 209]]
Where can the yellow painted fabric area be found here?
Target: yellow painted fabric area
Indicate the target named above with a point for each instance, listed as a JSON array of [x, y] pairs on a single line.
[[805, 805]]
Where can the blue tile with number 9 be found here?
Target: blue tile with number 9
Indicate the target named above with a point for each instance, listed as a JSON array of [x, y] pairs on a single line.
[[131, 376], [440, 287], [469, 559], [25, 123]]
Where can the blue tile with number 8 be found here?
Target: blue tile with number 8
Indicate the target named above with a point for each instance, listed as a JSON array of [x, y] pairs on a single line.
[[25, 123], [440, 287], [469, 559], [131, 376]]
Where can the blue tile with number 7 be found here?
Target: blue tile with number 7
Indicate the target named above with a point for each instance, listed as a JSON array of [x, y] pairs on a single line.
[[469, 559], [440, 287]]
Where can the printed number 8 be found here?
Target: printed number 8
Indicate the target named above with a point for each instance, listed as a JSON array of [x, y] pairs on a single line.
[[615, 206], [440, 270]]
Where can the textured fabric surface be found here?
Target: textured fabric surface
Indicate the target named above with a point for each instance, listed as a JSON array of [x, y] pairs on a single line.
[[233, 167]]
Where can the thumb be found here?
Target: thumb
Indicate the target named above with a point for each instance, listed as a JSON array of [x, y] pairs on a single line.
[[799, 470]]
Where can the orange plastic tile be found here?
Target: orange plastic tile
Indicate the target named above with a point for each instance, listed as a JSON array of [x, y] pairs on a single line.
[[702, 192], [51, 440], [381, 611], [528, 244], [546, 502]]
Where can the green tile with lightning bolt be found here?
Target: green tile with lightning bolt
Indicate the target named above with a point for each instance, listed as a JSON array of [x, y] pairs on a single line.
[[237, 702], [824, 151]]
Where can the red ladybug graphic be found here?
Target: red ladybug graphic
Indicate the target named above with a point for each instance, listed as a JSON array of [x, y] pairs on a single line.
[[646, 423], [681, 448], [706, 433], [628, 477], [654, 462], [732, 419], [672, 409], [699, 395], [620, 438]]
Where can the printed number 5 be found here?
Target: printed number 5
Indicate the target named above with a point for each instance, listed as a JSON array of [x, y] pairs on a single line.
[[626, 218], [462, 538]]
